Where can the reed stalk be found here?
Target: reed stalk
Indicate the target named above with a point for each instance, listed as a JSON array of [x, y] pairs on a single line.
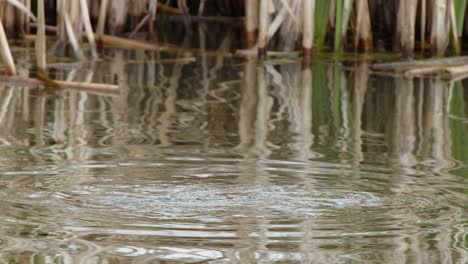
[[88, 27], [117, 16], [308, 31], [439, 26], [153, 7], [347, 8], [338, 23], [27, 24], [460, 11], [72, 37], [5, 52], [321, 23], [406, 26], [80, 86], [102, 19], [263, 28], [423, 24], [453, 24], [251, 21], [363, 35], [41, 37]]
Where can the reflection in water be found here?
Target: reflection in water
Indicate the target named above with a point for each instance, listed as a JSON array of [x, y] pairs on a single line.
[[246, 162]]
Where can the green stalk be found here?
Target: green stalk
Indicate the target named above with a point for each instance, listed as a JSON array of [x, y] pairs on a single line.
[[458, 137], [460, 10], [338, 24], [321, 21]]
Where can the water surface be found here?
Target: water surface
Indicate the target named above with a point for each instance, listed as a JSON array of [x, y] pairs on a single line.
[[219, 160]]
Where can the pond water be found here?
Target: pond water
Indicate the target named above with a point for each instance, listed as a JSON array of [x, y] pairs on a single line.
[[219, 160]]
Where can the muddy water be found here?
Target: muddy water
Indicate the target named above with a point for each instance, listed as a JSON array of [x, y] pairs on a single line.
[[216, 160]]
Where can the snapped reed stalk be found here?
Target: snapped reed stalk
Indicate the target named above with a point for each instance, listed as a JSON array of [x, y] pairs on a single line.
[[101, 88], [263, 28], [308, 31], [5, 52]]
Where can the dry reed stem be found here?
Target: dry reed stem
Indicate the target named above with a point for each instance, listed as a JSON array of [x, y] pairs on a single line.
[[5, 52], [22, 8], [142, 22], [72, 37], [406, 25], [263, 28], [88, 27], [27, 21], [308, 7], [153, 7], [455, 42], [421, 71], [117, 16], [347, 8], [452, 71], [81, 86], [440, 26], [251, 21], [363, 37], [436, 62], [40, 45], [102, 19], [423, 24]]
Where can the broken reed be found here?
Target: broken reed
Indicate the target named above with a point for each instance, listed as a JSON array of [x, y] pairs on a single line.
[[342, 24]]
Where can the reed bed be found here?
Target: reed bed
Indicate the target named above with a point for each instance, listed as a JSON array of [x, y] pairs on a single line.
[[269, 25]]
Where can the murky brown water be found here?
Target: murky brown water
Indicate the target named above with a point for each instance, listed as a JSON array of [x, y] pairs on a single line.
[[216, 160]]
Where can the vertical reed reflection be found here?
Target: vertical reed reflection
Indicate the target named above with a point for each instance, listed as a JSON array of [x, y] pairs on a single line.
[[361, 76]]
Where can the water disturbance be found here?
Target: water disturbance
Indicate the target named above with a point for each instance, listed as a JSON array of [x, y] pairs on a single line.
[[222, 160]]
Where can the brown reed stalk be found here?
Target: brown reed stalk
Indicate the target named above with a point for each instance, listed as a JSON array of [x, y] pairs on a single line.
[[263, 27], [5, 52], [88, 27], [439, 26], [308, 18], [117, 16], [251, 21], [41, 37], [423, 24], [406, 25], [453, 26], [153, 7], [102, 19], [363, 35], [72, 37]]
